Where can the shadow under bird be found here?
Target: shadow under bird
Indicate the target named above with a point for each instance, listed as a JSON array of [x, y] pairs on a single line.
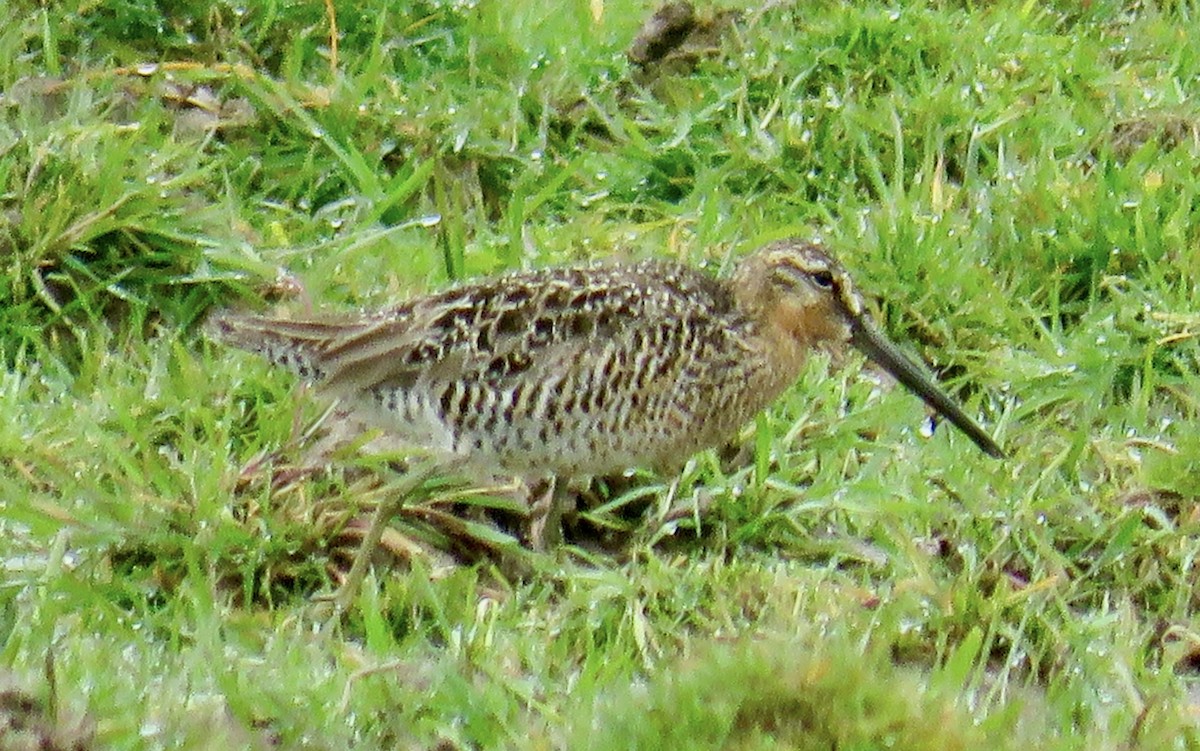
[[588, 370]]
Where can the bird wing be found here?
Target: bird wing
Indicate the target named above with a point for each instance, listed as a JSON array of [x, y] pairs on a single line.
[[533, 326]]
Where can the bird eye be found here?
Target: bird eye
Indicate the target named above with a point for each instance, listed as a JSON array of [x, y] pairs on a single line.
[[824, 279]]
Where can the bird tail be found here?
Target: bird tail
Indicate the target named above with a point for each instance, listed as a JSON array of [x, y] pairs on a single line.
[[297, 345]]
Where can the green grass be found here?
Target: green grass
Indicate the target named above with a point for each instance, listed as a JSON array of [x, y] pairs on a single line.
[[1013, 183]]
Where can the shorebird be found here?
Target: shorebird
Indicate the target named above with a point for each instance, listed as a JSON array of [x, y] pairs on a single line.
[[585, 370]]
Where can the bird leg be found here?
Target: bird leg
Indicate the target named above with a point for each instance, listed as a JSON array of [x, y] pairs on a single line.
[[546, 507], [384, 512]]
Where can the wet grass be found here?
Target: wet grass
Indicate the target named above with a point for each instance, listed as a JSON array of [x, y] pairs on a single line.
[[1014, 184]]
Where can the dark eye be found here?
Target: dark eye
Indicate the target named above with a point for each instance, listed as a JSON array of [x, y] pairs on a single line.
[[824, 279]]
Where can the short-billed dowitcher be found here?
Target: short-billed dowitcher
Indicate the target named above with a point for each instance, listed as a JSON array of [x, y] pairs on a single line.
[[587, 370]]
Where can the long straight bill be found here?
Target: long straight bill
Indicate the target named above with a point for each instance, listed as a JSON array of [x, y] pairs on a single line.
[[875, 346]]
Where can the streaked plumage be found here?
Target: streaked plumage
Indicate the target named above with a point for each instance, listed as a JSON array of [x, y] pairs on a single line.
[[586, 369], [592, 369]]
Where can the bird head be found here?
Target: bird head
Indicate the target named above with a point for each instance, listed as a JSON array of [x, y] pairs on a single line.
[[807, 300]]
